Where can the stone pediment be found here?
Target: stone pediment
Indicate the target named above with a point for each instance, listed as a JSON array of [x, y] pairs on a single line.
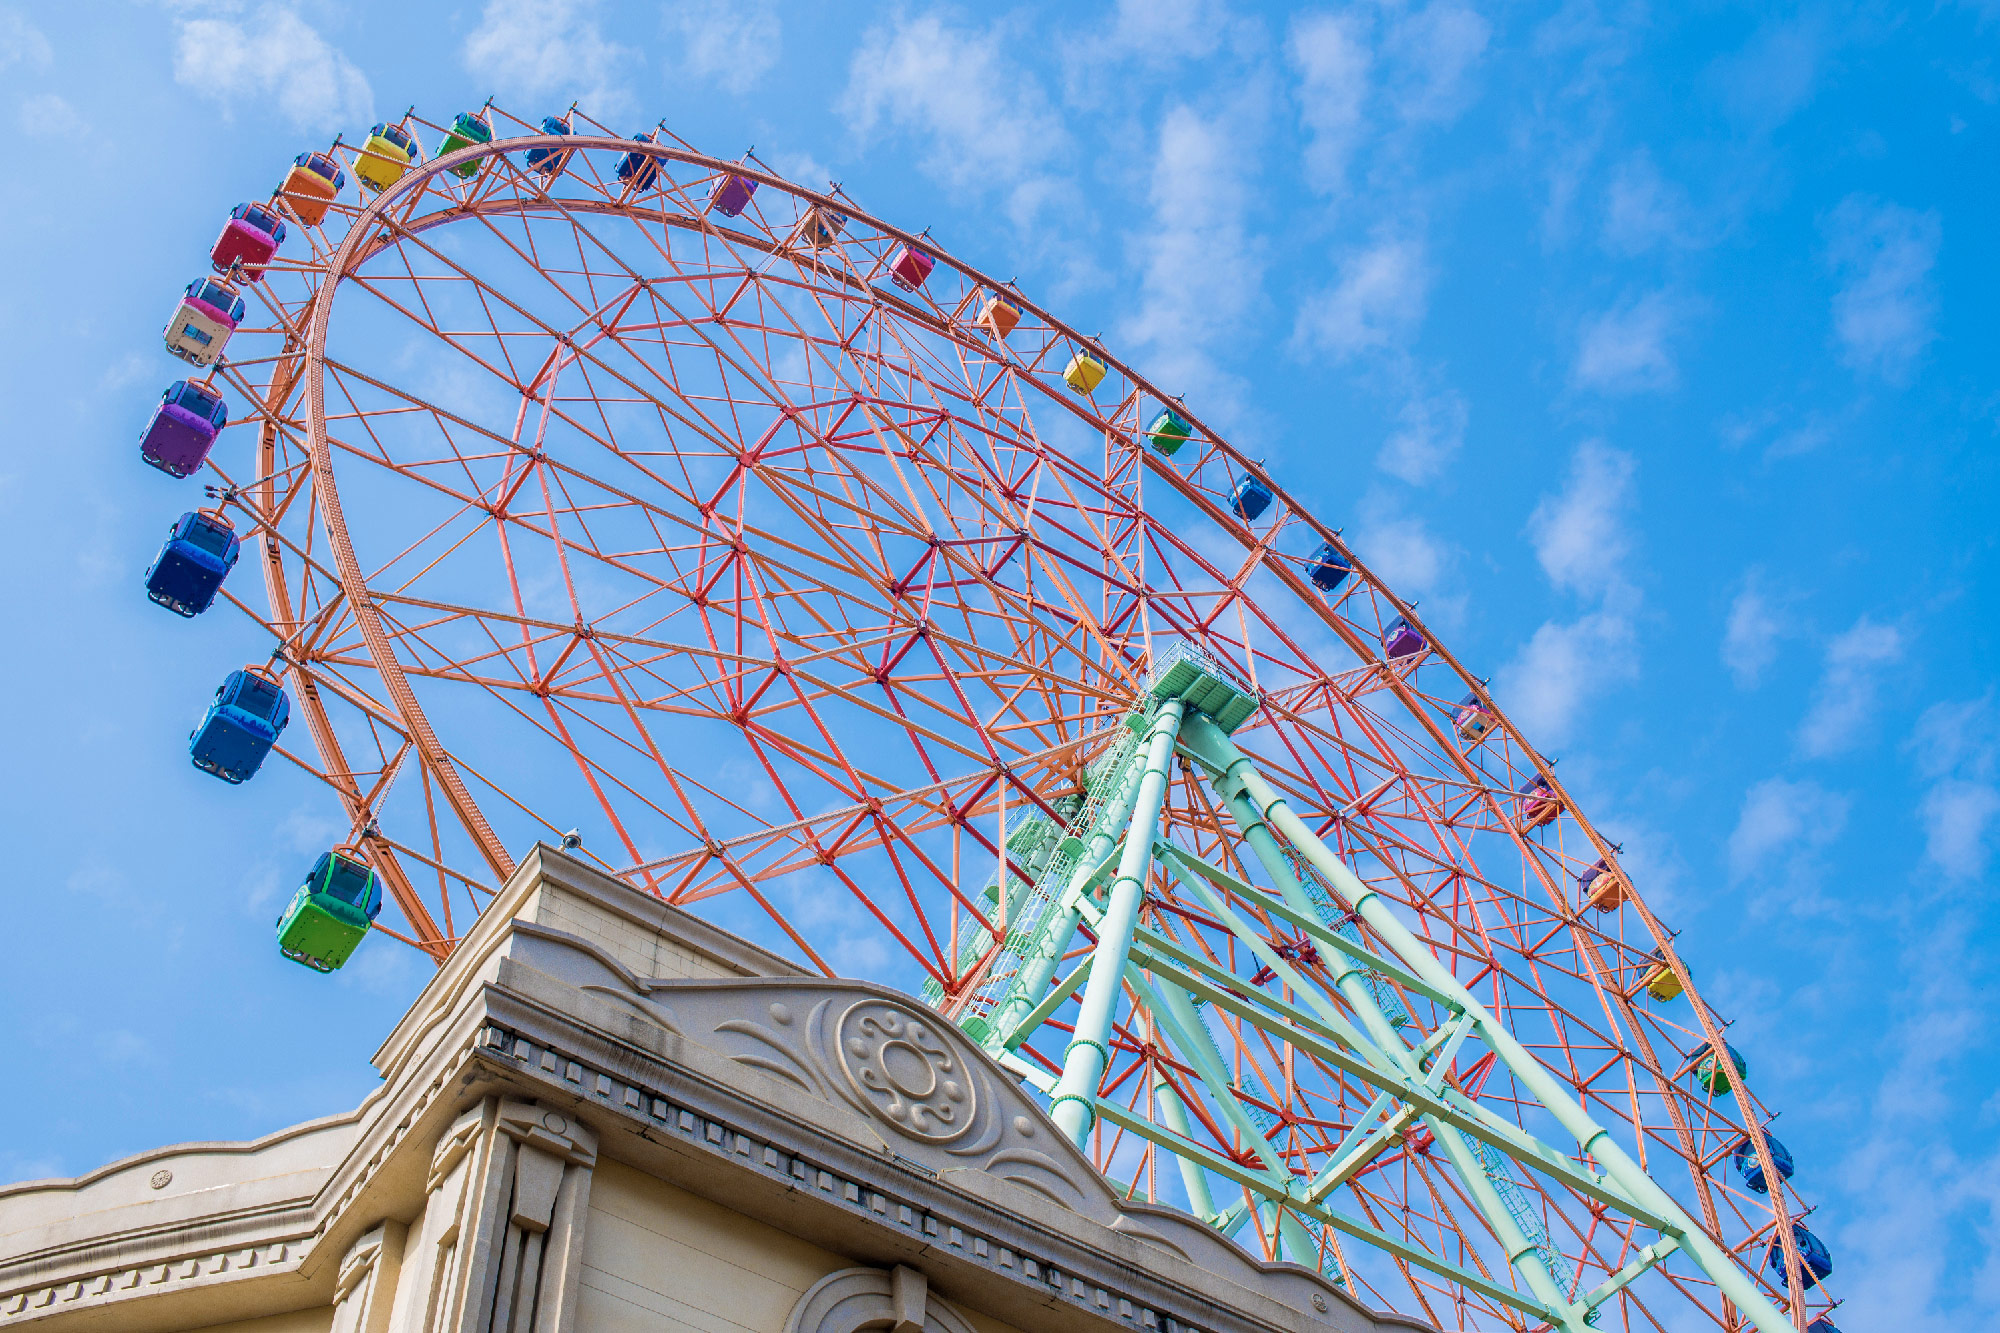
[[932, 1098], [862, 1062]]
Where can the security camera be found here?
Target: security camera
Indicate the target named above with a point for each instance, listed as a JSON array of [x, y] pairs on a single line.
[[572, 840]]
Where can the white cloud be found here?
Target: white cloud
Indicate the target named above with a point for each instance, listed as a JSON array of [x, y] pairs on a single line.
[[1786, 432], [1954, 746], [1955, 737], [1161, 29], [1642, 210], [1885, 312], [1201, 271], [1958, 820], [1580, 533], [278, 58], [21, 42], [731, 42], [47, 116], [1783, 816], [1332, 58], [1773, 74], [1750, 641], [1409, 557], [1377, 302], [1624, 350], [549, 51], [1921, 1184], [1413, 68], [1435, 49], [1428, 433], [986, 120], [1562, 669], [1580, 538], [1845, 698], [1799, 439]]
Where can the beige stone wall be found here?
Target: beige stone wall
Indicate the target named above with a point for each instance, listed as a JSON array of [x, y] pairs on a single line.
[[657, 1259], [646, 952], [299, 1321], [660, 1259]]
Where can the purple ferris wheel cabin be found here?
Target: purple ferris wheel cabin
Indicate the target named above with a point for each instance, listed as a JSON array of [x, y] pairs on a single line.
[[183, 429], [731, 195], [1402, 639]]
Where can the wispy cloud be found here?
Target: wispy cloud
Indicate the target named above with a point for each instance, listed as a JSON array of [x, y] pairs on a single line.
[[1643, 211], [48, 116], [1954, 747], [1408, 70], [984, 118], [1579, 51], [1958, 817], [1750, 639], [1402, 549], [1432, 53], [1786, 431], [1624, 350], [1580, 538], [549, 50], [1377, 301], [1579, 533], [1885, 313], [1564, 668], [732, 43], [1844, 701], [1168, 29], [278, 58], [1782, 817], [1428, 433], [1331, 55], [1921, 1180], [1201, 272], [1774, 74], [21, 42]]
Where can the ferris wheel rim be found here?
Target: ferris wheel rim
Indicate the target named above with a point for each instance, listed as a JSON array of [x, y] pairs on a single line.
[[358, 244], [361, 241]]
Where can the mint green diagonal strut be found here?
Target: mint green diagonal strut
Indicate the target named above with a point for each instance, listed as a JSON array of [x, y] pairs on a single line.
[[1351, 981], [1236, 774]]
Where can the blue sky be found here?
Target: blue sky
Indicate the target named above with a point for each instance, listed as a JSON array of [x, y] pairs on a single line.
[[1653, 350]]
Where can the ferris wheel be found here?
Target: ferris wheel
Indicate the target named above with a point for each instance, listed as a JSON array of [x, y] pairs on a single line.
[[796, 572]]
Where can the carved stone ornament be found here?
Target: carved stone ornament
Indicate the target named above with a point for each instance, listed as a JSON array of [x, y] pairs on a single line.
[[854, 1299], [905, 1071]]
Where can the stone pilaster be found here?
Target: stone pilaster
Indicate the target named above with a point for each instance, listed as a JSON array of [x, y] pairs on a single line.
[[365, 1291], [500, 1249]]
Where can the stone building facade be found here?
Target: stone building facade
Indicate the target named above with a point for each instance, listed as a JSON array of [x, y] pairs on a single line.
[[605, 1114]]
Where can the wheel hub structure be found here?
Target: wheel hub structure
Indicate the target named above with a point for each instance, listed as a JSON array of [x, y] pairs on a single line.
[[820, 597]]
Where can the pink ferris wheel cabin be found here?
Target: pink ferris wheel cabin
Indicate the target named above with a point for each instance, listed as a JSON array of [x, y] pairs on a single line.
[[249, 239]]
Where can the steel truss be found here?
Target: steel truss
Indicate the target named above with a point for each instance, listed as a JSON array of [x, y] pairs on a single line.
[[1166, 982], [817, 604]]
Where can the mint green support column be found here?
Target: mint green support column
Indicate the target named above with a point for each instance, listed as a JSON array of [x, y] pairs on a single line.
[[1220, 753], [1038, 969], [1351, 981], [1073, 1104], [1175, 1117]]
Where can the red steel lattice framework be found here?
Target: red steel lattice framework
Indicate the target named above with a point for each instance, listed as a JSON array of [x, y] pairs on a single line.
[[803, 592]]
